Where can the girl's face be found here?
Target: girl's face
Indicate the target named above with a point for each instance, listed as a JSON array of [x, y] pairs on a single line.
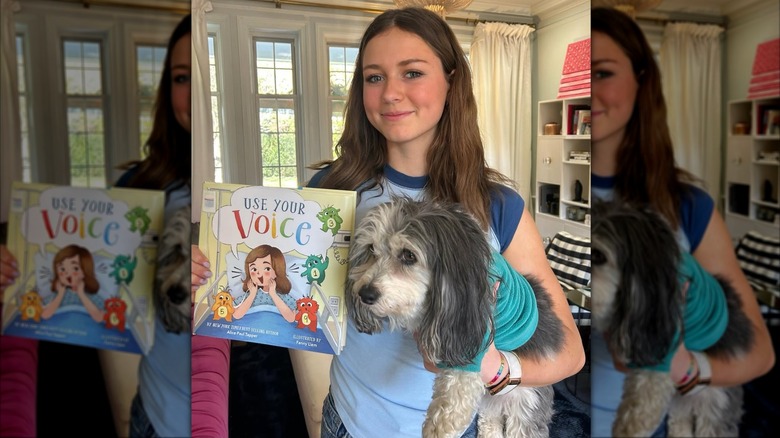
[[261, 270], [405, 88], [180, 75], [69, 272], [613, 89]]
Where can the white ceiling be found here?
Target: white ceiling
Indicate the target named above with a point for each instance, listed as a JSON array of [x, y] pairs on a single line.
[[523, 8]]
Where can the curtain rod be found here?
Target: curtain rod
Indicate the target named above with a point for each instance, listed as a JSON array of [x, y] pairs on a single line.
[[130, 4], [529, 21], [665, 18]]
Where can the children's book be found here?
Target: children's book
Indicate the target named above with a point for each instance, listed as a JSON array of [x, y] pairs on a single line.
[[279, 258], [87, 259]]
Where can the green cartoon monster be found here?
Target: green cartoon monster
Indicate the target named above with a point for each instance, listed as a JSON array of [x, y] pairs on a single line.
[[330, 219], [123, 269], [139, 219], [315, 269]]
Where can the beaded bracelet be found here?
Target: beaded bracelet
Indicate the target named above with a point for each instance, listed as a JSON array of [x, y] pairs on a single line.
[[498, 374]]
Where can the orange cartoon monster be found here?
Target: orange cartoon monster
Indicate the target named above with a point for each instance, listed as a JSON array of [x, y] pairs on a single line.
[[307, 313], [115, 313], [31, 306], [223, 306]]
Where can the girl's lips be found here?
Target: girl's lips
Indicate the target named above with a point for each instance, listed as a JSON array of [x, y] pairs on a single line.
[[396, 115]]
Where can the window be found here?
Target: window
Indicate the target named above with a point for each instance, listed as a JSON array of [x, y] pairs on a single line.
[[341, 65], [276, 103], [216, 114], [84, 95], [24, 99], [150, 61]]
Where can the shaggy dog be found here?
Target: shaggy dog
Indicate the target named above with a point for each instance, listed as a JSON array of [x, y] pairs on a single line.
[[639, 303], [426, 268], [172, 299]]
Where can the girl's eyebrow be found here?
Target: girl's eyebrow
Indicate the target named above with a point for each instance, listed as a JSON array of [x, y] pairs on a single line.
[[403, 63]]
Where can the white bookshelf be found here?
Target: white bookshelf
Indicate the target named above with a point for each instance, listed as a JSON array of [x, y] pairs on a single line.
[[557, 207], [752, 169]]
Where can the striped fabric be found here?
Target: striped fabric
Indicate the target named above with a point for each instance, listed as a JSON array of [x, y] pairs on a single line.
[[759, 258], [569, 257]]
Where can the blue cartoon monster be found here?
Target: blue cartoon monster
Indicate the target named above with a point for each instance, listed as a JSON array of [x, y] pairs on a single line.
[[315, 269]]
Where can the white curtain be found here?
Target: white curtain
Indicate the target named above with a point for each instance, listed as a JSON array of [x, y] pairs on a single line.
[[690, 62], [501, 64], [202, 137], [10, 137]]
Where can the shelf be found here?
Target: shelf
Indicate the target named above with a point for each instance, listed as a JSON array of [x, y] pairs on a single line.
[[749, 178]]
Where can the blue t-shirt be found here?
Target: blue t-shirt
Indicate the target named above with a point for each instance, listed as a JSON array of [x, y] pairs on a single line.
[[606, 382], [379, 384], [164, 373]]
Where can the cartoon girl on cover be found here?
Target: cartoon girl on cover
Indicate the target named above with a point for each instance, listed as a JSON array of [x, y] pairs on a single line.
[[74, 271], [265, 269]]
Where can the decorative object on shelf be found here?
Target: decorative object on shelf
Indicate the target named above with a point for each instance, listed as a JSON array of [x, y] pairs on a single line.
[[766, 70], [767, 192], [628, 7], [579, 156], [773, 156], [765, 214], [740, 128], [577, 191], [552, 128], [441, 7], [575, 78]]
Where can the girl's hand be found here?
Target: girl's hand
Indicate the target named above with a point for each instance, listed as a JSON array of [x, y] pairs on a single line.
[[200, 272], [271, 286], [9, 270]]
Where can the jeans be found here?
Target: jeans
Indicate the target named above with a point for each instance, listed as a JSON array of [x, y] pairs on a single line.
[[332, 427], [140, 427]]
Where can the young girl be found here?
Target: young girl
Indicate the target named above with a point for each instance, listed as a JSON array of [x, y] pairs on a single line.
[[266, 270], [74, 269], [411, 129], [633, 160]]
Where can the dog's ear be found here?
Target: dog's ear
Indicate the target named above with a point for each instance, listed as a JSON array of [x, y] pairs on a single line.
[[649, 301], [459, 300], [359, 255]]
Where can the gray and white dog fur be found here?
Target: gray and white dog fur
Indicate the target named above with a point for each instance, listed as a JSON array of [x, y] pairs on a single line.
[[172, 298], [423, 267], [638, 300]]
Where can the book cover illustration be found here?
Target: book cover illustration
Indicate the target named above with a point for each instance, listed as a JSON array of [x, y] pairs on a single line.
[[87, 259], [279, 258]]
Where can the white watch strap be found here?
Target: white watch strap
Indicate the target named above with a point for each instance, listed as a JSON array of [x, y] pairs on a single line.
[[705, 371], [515, 371]]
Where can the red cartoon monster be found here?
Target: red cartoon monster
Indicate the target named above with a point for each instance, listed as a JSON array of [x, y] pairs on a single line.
[[306, 315], [115, 313]]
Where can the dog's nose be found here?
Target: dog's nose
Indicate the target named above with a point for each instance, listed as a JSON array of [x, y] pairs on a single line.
[[368, 295]]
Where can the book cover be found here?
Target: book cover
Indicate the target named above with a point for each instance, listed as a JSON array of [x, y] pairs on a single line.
[[279, 258], [583, 122], [87, 259]]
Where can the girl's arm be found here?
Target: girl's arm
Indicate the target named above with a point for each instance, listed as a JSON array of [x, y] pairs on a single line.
[[526, 254], [716, 255], [284, 309], [240, 310]]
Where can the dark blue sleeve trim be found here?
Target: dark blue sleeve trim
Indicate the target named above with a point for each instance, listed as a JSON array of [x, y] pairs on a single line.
[[506, 209], [695, 213], [124, 180], [315, 180]]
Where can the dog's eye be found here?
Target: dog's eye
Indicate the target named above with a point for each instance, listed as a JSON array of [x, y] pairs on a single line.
[[597, 257], [407, 257]]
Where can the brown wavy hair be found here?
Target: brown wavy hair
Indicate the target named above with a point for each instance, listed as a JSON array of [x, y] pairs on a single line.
[[457, 170], [91, 285], [168, 151], [278, 264], [647, 172]]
